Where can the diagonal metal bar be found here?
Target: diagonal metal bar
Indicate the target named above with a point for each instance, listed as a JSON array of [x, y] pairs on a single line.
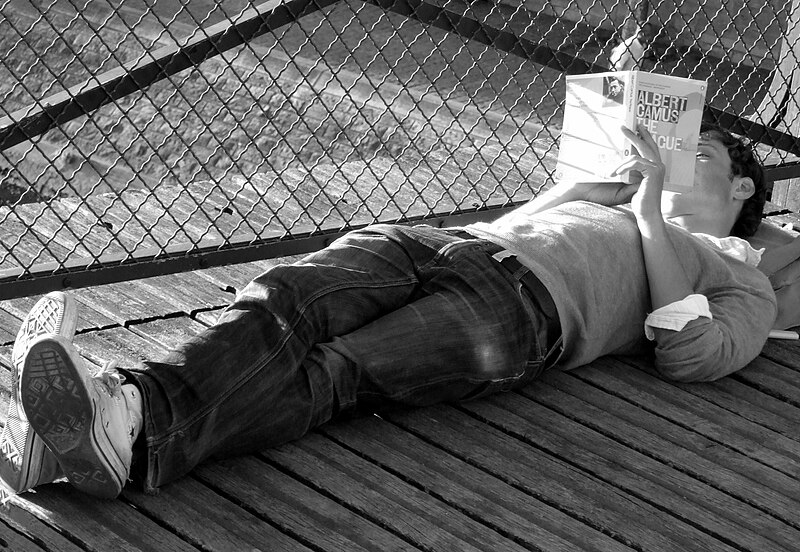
[[753, 130], [84, 98], [453, 21]]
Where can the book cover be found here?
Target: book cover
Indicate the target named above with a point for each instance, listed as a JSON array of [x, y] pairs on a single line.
[[592, 145]]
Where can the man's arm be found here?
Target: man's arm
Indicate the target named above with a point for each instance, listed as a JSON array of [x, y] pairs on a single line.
[[707, 348], [665, 274], [604, 193], [667, 280]]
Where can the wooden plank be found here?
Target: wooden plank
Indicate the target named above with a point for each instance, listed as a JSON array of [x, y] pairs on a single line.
[[116, 212], [783, 352], [766, 406], [9, 326], [167, 334], [195, 219], [185, 292], [550, 479], [319, 521], [208, 318], [669, 443], [654, 395], [5, 382], [773, 378], [210, 521], [630, 471], [103, 524], [385, 499], [594, 459], [88, 317], [21, 531], [231, 278], [22, 243], [723, 503], [231, 210], [81, 231], [764, 393], [118, 344], [499, 505], [51, 221], [126, 301]]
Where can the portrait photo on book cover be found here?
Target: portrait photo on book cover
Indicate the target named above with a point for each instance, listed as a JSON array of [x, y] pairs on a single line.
[[613, 90]]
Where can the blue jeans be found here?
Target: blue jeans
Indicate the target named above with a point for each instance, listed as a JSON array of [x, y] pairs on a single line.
[[388, 315]]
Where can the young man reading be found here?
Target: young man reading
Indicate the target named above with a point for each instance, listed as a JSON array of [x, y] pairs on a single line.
[[414, 316]]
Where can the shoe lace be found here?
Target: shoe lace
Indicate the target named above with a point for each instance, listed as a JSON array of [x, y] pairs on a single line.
[[110, 377], [112, 381]]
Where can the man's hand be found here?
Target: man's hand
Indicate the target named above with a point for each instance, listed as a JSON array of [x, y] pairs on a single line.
[[604, 193], [665, 274], [646, 161]]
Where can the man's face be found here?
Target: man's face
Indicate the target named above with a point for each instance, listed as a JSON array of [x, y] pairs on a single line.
[[714, 185]]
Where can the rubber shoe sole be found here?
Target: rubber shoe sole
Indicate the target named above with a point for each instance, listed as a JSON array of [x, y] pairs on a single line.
[[25, 461], [64, 408]]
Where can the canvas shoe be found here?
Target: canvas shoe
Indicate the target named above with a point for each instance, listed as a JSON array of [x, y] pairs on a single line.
[[86, 419], [25, 461]]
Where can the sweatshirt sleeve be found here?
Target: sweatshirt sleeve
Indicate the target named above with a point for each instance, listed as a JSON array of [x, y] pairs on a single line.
[[676, 315], [707, 349]]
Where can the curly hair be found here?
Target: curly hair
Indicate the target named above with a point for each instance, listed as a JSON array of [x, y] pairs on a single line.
[[743, 163]]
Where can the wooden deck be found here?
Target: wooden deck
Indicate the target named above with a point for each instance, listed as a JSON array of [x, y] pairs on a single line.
[[607, 457]]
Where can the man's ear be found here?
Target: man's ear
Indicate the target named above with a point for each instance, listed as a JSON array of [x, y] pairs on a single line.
[[743, 187]]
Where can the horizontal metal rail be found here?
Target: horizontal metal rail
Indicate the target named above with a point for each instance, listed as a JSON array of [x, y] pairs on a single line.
[[207, 253], [784, 171]]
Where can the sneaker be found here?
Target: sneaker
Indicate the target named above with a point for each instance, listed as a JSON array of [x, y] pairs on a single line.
[[25, 462], [84, 418]]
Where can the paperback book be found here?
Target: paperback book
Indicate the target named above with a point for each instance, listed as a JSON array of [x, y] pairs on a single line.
[[597, 105]]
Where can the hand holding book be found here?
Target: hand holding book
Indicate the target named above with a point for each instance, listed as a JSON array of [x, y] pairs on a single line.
[[645, 159], [591, 145], [666, 277]]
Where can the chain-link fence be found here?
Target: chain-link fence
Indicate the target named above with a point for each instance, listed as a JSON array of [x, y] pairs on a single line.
[[140, 137]]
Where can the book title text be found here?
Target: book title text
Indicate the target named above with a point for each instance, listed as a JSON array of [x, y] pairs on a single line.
[[653, 108]]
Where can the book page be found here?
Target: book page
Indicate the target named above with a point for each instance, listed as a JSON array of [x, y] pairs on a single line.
[[591, 144]]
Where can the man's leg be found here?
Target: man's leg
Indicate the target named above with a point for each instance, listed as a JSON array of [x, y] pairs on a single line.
[[457, 330], [241, 382], [469, 335]]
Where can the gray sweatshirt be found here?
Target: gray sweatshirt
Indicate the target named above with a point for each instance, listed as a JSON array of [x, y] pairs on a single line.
[[590, 259]]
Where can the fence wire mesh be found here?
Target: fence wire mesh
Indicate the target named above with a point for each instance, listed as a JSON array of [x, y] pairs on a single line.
[[334, 116]]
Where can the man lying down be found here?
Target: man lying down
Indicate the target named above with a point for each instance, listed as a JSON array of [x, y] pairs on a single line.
[[399, 315]]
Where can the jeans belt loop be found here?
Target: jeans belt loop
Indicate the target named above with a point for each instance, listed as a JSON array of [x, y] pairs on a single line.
[[539, 294]]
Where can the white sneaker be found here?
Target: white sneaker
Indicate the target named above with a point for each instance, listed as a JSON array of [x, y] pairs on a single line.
[[84, 418], [25, 461]]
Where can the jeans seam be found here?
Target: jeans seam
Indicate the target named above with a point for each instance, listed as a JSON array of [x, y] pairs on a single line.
[[453, 378]]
